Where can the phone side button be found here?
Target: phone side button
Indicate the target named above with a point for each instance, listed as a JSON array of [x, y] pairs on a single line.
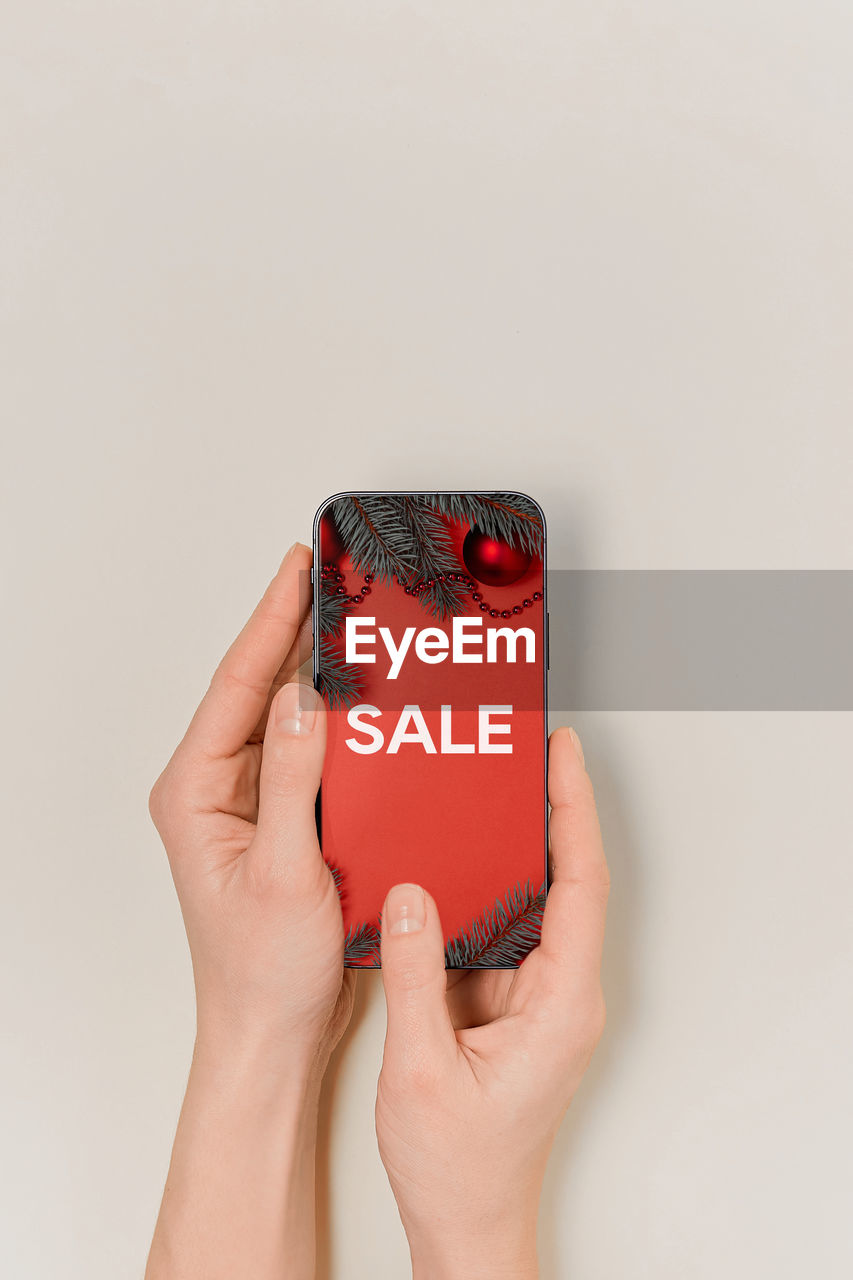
[[547, 641]]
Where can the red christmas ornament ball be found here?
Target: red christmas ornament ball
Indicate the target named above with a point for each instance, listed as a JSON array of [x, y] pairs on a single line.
[[492, 561], [331, 547]]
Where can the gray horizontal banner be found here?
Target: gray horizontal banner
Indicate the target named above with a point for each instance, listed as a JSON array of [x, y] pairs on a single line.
[[669, 640], [637, 640]]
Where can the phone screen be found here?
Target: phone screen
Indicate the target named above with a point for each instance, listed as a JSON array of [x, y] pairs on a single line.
[[430, 634]]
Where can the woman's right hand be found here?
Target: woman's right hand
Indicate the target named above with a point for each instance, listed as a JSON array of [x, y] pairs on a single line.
[[478, 1072], [235, 808]]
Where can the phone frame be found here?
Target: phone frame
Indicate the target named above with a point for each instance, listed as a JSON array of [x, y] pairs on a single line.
[[545, 660]]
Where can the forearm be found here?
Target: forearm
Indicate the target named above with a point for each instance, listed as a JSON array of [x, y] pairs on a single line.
[[239, 1197]]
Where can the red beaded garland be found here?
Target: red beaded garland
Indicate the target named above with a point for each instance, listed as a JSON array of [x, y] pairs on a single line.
[[329, 573]]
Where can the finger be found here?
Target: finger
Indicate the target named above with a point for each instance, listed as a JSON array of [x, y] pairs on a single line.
[[292, 761], [295, 664], [420, 1035], [241, 684], [575, 910], [298, 657]]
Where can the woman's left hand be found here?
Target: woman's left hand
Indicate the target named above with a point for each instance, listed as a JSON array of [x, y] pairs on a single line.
[[480, 1067]]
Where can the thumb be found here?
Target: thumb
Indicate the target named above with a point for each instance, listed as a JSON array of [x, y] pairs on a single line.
[[292, 762], [420, 1033]]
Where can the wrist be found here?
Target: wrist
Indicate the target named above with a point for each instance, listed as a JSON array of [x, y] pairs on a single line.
[[275, 1064], [505, 1253]]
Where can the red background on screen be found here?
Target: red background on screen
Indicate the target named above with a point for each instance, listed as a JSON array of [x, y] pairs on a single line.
[[466, 827]]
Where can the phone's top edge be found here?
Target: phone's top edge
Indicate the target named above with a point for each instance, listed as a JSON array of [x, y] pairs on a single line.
[[403, 493]]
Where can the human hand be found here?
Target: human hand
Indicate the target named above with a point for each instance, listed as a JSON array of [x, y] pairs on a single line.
[[480, 1066], [235, 808]]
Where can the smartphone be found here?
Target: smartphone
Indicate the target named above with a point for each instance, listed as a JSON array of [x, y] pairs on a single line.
[[430, 651]]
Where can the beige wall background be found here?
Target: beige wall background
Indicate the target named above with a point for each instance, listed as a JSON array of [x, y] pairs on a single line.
[[254, 253]]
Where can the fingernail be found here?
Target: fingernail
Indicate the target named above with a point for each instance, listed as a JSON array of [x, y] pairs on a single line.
[[291, 551], [296, 708], [405, 909], [576, 743]]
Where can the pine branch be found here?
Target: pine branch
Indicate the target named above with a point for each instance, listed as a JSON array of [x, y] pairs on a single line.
[[376, 538], [501, 937], [339, 683], [434, 559], [332, 608], [406, 537], [362, 940], [360, 944], [508, 516]]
